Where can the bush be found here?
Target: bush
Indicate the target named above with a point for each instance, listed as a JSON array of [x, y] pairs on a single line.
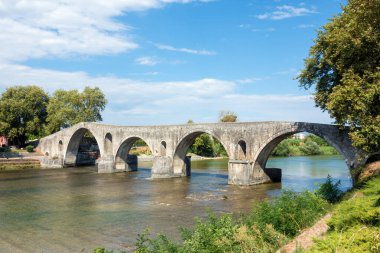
[[281, 149], [215, 234], [269, 226], [310, 148], [4, 149], [29, 148], [290, 212], [330, 191]]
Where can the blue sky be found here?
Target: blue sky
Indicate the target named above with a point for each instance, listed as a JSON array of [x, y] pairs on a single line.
[[167, 61]]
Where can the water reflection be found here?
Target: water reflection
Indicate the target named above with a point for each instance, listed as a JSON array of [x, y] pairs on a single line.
[[75, 209]]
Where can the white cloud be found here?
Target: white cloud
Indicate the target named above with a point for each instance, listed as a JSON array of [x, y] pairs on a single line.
[[136, 102], [53, 28], [184, 50], [271, 29], [250, 80], [286, 11], [147, 60], [289, 71], [305, 26]]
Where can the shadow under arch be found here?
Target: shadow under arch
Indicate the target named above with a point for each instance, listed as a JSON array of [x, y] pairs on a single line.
[[374, 157], [123, 160], [182, 163], [72, 154], [262, 156]]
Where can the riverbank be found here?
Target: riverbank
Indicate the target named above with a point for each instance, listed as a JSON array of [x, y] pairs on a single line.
[[353, 225], [355, 222], [19, 160]]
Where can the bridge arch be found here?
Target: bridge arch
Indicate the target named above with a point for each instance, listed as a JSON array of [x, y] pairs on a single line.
[[108, 149], [123, 159], [72, 150], [242, 150], [181, 165], [262, 155], [163, 148]]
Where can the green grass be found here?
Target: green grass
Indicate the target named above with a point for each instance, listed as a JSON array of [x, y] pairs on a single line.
[[4, 167], [355, 224]]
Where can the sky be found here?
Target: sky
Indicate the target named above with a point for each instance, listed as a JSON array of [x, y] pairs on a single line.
[[167, 61]]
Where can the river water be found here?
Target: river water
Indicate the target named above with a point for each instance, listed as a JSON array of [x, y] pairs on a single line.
[[77, 210]]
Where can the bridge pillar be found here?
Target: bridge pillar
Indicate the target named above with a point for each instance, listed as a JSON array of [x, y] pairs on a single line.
[[52, 162], [239, 172], [162, 167], [242, 172], [106, 165], [132, 163]]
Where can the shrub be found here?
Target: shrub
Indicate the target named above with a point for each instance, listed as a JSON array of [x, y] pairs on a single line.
[[281, 149], [269, 226], [310, 148], [330, 191], [215, 234], [4, 149], [29, 148], [290, 212], [161, 244]]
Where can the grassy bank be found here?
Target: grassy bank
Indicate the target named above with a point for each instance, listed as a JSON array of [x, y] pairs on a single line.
[[4, 167], [354, 226], [355, 222]]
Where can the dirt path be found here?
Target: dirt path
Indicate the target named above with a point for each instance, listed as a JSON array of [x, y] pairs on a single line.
[[305, 239]]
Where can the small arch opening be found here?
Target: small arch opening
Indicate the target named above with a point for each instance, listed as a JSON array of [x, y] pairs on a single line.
[[242, 150], [108, 144], [163, 148], [60, 146]]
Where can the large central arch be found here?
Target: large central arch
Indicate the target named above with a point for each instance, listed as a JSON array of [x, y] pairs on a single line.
[[124, 161], [71, 154], [181, 163]]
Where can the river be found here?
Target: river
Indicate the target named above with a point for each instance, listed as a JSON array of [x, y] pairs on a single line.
[[77, 210]]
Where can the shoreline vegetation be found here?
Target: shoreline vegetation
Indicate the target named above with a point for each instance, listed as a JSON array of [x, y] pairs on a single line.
[[354, 225]]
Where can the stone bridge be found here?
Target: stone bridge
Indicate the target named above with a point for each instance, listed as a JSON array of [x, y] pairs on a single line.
[[248, 145]]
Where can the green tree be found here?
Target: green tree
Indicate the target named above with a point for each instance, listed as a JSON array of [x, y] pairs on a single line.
[[343, 65], [321, 142], [67, 108], [310, 148], [227, 116], [23, 113], [282, 149], [203, 146]]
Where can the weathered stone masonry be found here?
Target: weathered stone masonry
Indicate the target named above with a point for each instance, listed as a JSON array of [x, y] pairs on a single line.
[[248, 145]]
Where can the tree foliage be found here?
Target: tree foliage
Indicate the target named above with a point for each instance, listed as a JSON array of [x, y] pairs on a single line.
[[310, 145], [203, 146], [23, 113], [67, 108], [206, 145], [227, 116], [330, 191], [344, 67]]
